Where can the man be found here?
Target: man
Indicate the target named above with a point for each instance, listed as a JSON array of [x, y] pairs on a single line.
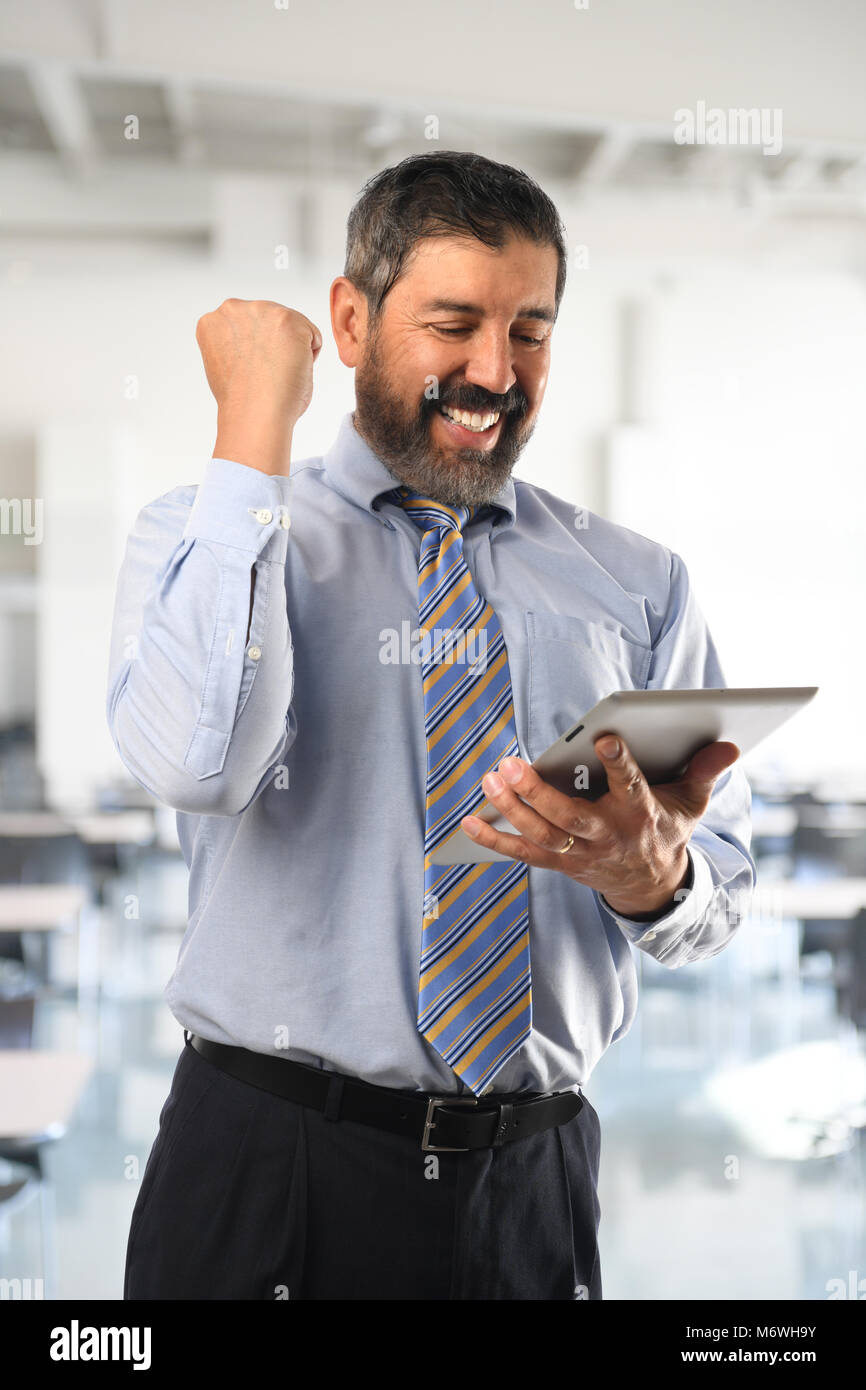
[[379, 1094]]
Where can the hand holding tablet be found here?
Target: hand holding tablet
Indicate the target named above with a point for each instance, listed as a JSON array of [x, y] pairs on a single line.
[[662, 729]]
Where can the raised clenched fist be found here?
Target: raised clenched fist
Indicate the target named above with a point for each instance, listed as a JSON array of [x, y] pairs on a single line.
[[258, 358], [256, 352]]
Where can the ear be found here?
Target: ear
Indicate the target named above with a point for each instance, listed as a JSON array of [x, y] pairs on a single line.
[[348, 320]]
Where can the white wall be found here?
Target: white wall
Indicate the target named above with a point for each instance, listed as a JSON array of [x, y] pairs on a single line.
[[753, 470], [747, 459]]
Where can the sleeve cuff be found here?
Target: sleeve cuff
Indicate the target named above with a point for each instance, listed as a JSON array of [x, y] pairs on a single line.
[[243, 507], [686, 913]]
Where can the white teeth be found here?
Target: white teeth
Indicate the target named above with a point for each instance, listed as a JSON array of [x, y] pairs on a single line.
[[471, 420]]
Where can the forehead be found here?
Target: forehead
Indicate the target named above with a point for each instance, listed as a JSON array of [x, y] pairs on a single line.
[[459, 270]]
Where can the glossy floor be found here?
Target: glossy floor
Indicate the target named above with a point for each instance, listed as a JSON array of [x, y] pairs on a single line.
[[732, 1116]]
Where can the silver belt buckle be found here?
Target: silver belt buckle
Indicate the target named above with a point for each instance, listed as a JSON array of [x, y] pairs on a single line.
[[433, 1104]]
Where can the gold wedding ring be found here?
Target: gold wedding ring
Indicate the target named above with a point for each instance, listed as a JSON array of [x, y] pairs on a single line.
[[566, 847]]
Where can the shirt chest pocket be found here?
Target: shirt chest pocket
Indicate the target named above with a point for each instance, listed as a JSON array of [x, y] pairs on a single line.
[[574, 663]]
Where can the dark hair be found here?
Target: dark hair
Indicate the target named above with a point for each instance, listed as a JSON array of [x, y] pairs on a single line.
[[445, 193]]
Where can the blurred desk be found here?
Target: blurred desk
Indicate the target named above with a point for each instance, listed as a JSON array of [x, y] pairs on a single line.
[[831, 899], [833, 820], [36, 847], [33, 825], [832, 834], [39, 1092], [773, 822], [832, 912], [95, 828], [39, 906], [111, 840], [115, 827], [49, 907]]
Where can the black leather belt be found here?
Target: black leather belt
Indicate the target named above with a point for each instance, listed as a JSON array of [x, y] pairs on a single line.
[[460, 1122]]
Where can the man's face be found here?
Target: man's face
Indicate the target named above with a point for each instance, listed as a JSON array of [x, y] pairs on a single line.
[[465, 328]]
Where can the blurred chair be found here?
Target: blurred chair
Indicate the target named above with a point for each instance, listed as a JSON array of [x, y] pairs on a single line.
[[37, 847], [39, 1093], [16, 1021]]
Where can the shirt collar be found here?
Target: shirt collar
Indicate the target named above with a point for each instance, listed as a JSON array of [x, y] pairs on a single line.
[[358, 474]]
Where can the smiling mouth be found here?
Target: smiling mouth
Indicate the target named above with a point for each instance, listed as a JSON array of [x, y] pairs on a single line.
[[471, 429], [470, 419]]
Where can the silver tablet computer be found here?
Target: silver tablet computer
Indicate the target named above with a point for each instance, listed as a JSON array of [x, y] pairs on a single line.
[[662, 728]]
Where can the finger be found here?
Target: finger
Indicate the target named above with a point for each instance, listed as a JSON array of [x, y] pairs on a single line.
[[694, 789], [316, 339], [513, 846], [625, 780], [573, 814], [531, 825], [315, 335]]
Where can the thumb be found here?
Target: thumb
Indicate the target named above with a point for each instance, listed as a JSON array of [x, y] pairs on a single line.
[[695, 786]]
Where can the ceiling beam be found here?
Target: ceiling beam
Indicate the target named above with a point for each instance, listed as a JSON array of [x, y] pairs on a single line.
[[608, 154], [61, 106], [180, 105]]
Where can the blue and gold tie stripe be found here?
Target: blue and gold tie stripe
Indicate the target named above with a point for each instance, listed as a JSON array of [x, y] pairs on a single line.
[[474, 991]]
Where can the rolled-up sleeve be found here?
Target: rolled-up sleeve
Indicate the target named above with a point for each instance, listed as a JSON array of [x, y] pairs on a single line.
[[708, 911], [198, 712]]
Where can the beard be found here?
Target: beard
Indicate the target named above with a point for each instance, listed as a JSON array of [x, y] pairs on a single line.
[[400, 434]]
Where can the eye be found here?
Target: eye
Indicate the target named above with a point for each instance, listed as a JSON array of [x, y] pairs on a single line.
[[465, 328]]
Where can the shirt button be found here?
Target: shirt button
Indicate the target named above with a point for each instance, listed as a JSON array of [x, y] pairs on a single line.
[[285, 521], [650, 936], [254, 653], [264, 516]]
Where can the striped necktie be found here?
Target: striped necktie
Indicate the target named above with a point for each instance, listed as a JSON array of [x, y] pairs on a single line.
[[474, 993]]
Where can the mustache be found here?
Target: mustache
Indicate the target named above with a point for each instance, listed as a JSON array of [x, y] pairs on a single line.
[[514, 402]]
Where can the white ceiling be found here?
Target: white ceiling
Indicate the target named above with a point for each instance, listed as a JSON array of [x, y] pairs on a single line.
[[526, 59], [325, 92]]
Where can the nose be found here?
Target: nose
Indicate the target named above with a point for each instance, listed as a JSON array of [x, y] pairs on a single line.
[[490, 363]]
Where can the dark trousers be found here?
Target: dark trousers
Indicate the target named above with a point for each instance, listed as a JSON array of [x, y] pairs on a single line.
[[247, 1195]]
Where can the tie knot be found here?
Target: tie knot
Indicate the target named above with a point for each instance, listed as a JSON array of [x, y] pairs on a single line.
[[429, 515]]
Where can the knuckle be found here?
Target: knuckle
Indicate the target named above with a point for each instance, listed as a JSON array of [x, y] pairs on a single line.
[[296, 322]]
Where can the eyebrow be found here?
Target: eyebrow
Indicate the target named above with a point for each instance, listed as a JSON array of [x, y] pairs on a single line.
[[535, 311]]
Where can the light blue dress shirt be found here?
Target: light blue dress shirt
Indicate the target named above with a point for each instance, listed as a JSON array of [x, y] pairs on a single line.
[[296, 760]]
